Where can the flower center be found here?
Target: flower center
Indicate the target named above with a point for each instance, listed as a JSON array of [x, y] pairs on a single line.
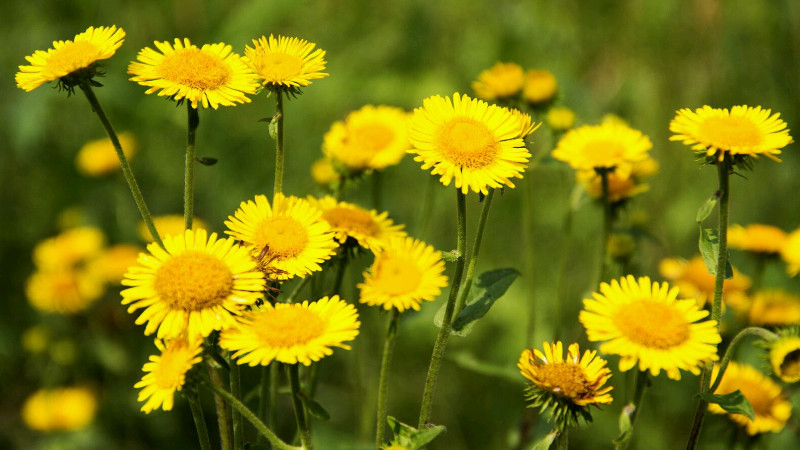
[[729, 132], [604, 153], [279, 66], [287, 327], [791, 364], [652, 324], [280, 238], [351, 220], [467, 143], [396, 276], [170, 373], [194, 68], [563, 379], [193, 281], [372, 137]]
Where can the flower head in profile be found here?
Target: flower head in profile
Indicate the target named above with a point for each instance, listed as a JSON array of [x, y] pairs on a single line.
[[210, 76], [366, 228], [371, 138], [540, 87], [166, 373], [621, 186], [647, 325], [694, 281], [168, 225], [784, 355], [292, 332], [526, 123], [193, 286], [567, 387], [790, 252], [757, 238], [773, 307], [772, 409], [467, 140], [501, 81], [71, 62], [60, 409], [285, 62], [742, 130], [98, 157], [288, 238], [610, 146], [560, 118]]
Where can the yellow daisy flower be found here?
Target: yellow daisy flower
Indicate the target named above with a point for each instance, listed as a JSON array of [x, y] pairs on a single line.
[[609, 145], [620, 187], [371, 230], [63, 291], [196, 285], [526, 124], [694, 281], [502, 80], [289, 236], [60, 409], [292, 332], [645, 323], [168, 225], [771, 408], [113, 262], [790, 252], [540, 86], [404, 274], [468, 140], [774, 307], [757, 238], [69, 248], [98, 157], [211, 75], [743, 130], [565, 386], [70, 61], [560, 118], [372, 138], [324, 173], [285, 61], [166, 373], [784, 357]]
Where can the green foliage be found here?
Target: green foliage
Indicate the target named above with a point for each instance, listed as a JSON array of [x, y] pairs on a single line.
[[734, 402], [486, 290], [410, 437]]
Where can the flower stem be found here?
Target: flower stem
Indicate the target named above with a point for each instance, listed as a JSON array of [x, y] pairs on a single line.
[[383, 383], [279, 149], [263, 396], [127, 173], [473, 256], [274, 382], [642, 382], [276, 442], [608, 219], [222, 410], [236, 418], [723, 365], [562, 440], [193, 120], [723, 173], [199, 420], [444, 331], [299, 408]]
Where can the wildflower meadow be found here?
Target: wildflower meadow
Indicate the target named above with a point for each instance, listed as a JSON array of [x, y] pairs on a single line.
[[400, 226]]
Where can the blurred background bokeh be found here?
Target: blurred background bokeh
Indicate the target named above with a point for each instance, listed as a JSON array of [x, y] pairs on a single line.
[[640, 60]]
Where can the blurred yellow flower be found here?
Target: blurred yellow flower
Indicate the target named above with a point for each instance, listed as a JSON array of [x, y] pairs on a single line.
[[560, 118], [784, 356], [620, 186], [501, 81], [112, 263], [63, 291], [774, 307], [374, 137], [98, 157], [369, 229], [790, 252], [324, 173], [168, 225], [166, 373], [35, 339], [285, 61], [610, 145], [69, 248], [694, 281], [757, 238], [540, 86], [61, 409]]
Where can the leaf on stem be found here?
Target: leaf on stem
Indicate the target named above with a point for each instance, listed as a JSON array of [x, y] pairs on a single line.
[[450, 256], [206, 161], [411, 438], [707, 207], [547, 441], [625, 426], [709, 248], [315, 408], [734, 402], [486, 290]]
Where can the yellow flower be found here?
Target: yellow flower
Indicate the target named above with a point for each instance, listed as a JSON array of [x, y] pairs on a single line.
[[285, 61], [193, 287], [166, 373], [503, 80], [565, 386], [70, 61], [645, 323], [468, 140], [168, 225], [540, 86], [371, 230], [71, 247], [694, 281], [292, 332], [526, 124], [743, 130], [560, 118], [403, 275], [61, 409], [289, 237], [790, 252], [374, 137], [98, 157], [324, 173], [620, 186], [757, 238], [784, 357], [774, 307], [64, 290], [771, 408], [36, 339], [113, 262], [212, 75], [609, 145]]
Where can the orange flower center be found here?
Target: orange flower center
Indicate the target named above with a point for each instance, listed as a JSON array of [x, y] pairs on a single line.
[[467, 143], [193, 281], [194, 68], [396, 276], [288, 327], [280, 238], [729, 131], [563, 379], [604, 153], [652, 324]]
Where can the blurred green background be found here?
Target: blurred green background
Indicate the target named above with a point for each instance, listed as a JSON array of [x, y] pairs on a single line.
[[637, 59]]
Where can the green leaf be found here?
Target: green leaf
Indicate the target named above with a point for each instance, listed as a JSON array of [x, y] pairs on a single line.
[[707, 207], [625, 426], [450, 256], [486, 289], [734, 403], [709, 248], [545, 442], [314, 408], [206, 161], [410, 437], [273, 126]]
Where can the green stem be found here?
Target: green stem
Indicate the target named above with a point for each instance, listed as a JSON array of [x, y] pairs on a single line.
[[383, 383], [608, 219], [276, 442], [199, 420], [642, 382], [193, 119], [274, 383], [299, 408], [341, 266], [279, 149], [222, 411], [263, 395], [444, 331], [723, 173], [127, 173], [236, 418], [299, 288], [562, 440], [723, 365], [473, 256]]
